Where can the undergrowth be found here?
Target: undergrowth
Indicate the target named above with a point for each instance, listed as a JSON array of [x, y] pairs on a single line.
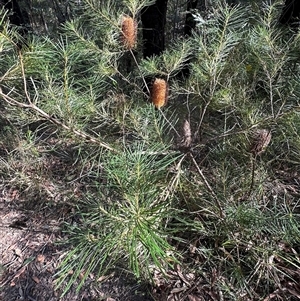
[[209, 182]]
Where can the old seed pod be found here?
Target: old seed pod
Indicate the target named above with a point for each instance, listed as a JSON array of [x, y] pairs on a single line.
[[261, 140]]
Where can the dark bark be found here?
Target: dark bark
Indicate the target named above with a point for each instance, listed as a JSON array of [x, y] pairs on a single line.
[[189, 26], [61, 16], [189, 20], [16, 17], [154, 21], [291, 13]]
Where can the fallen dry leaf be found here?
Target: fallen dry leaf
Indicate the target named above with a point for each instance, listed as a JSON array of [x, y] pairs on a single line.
[[12, 283], [40, 258], [20, 272], [35, 279], [104, 277], [194, 298], [18, 252]]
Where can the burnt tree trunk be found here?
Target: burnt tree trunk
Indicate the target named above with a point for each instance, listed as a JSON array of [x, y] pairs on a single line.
[[189, 26], [17, 17], [189, 20], [154, 21], [290, 13]]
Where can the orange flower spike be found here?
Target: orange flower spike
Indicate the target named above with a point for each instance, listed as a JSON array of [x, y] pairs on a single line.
[[159, 93], [129, 31]]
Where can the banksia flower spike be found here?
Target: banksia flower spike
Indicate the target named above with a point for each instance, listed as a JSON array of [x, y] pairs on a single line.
[[261, 140], [159, 93], [129, 32]]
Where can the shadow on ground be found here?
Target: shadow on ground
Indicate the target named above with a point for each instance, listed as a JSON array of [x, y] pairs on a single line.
[[30, 255]]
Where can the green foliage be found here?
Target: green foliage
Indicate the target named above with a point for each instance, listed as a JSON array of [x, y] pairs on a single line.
[[170, 62], [127, 220], [147, 196]]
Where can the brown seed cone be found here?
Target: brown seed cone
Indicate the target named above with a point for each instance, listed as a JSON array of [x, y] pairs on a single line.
[[129, 32], [186, 141], [159, 93], [261, 140]]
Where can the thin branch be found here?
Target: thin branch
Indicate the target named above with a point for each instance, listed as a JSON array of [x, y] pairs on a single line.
[[53, 120], [24, 78], [134, 58], [169, 123], [32, 106], [201, 119], [170, 189], [208, 186]]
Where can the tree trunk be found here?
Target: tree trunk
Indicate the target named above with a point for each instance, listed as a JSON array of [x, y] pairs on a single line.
[[154, 22], [61, 16], [17, 17], [189, 20], [189, 26], [290, 13]]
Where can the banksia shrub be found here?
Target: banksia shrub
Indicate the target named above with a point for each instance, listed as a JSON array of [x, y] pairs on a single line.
[[129, 31], [261, 140], [159, 93]]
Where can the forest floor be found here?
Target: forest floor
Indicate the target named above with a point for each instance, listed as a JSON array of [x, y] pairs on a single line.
[[30, 255], [38, 196], [41, 185]]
